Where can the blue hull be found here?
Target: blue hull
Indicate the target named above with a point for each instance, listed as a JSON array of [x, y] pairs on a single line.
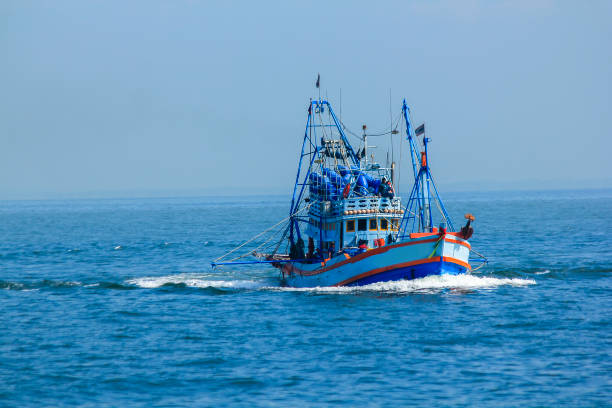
[[412, 272]]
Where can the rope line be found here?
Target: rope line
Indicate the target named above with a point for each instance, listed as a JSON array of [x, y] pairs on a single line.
[[261, 233]]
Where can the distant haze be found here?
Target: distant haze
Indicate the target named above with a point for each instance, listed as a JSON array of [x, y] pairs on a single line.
[[181, 97]]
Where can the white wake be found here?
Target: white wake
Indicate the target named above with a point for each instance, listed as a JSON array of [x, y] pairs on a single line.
[[429, 284], [193, 280]]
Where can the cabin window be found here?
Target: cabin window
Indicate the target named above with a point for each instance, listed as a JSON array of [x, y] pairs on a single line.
[[395, 224], [373, 224], [362, 224], [350, 226], [384, 224]]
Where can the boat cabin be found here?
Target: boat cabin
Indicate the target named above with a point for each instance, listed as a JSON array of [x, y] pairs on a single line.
[[352, 223]]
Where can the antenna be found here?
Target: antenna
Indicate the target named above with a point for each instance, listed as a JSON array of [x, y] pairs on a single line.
[[340, 104], [365, 145], [391, 124]]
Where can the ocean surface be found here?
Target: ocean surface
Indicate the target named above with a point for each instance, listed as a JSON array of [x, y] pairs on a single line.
[[113, 302]]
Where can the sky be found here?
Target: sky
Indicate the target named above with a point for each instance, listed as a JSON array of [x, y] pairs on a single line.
[[129, 98]]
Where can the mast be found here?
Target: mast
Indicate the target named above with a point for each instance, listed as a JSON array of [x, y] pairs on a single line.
[[309, 153], [365, 147], [418, 216], [293, 223], [426, 194], [413, 150]]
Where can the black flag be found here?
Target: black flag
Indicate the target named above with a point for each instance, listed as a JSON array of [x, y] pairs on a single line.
[[420, 130], [318, 80]]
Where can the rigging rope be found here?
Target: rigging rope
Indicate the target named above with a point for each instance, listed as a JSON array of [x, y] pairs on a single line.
[[259, 246], [484, 260], [280, 241], [382, 133], [480, 255], [261, 233]]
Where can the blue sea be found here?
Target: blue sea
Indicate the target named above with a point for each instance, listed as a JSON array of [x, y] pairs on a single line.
[[112, 302]]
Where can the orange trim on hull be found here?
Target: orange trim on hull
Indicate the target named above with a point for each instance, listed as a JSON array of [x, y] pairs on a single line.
[[414, 235], [403, 265], [455, 241], [457, 261], [431, 234]]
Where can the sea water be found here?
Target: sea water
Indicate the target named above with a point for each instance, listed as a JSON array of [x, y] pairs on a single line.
[[113, 302]]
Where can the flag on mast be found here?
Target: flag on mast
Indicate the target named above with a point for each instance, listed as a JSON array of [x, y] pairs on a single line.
[[420, 130], [318, 80]]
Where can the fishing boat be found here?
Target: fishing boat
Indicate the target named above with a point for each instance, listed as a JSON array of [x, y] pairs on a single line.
[[346, 224]]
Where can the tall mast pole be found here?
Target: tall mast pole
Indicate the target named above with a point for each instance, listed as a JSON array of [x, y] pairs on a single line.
[[426, 194], [365, 146], [413, 149]]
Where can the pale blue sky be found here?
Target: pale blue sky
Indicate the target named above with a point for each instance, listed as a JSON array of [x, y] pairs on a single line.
[[165, 97]]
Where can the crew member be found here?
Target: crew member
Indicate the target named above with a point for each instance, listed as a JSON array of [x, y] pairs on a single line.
[[331, 250], [383, 188], [311, 248], [390, 191]]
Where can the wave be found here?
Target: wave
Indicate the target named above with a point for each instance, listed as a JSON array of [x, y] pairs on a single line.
[[429, 284], [145, 282], [192, 280], [28, 286]]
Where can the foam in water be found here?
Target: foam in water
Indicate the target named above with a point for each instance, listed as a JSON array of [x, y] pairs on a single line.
[[433, 283], [191, 280], [428, 284], [32, 286]]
